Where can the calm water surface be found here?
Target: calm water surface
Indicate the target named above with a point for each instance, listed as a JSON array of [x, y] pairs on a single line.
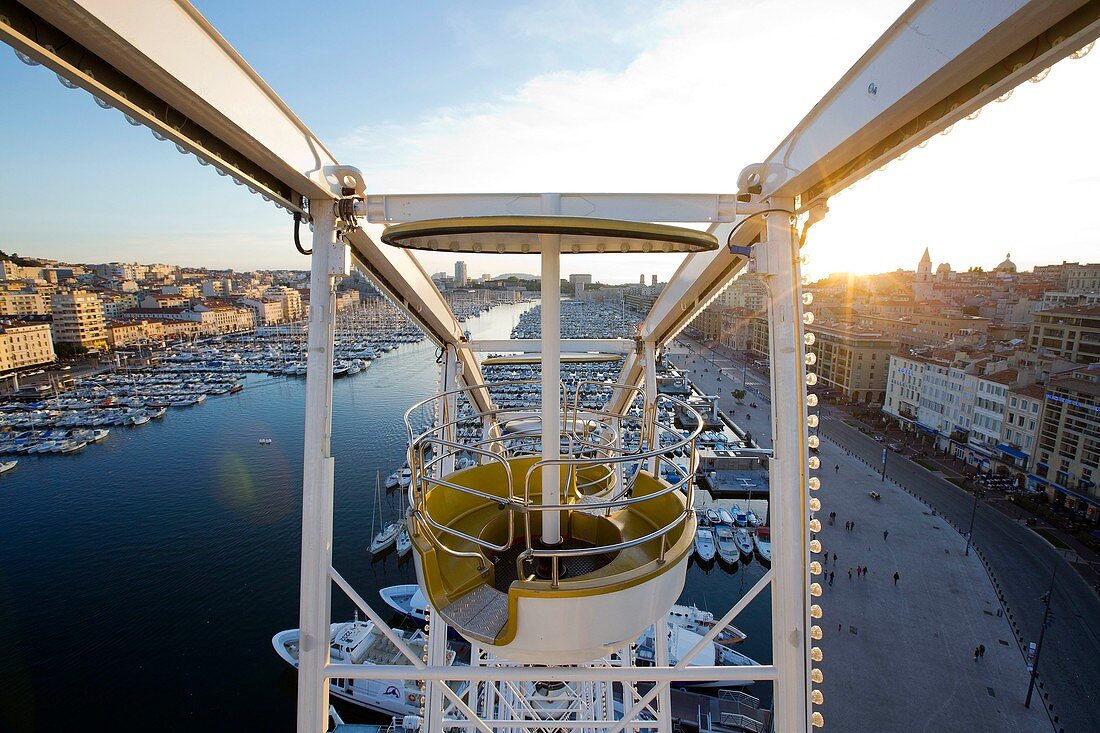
[[141, 580]]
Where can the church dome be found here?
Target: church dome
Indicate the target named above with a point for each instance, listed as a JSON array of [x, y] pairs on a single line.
[[1008, 266]]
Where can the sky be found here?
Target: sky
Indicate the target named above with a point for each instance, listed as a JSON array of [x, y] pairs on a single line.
[[554, 95]]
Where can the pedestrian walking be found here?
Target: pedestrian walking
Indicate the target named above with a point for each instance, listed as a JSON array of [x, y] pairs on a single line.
[[885, 534], [839, 628], [981, 650], [859, 570], [834, 558], [896, 577], [831, 578], [849, 573], [976, 653], [832, 518], [865, 571], [853, 529], [837, 469]]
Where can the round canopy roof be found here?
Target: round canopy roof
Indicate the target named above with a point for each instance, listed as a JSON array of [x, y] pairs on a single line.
[[520, 235]]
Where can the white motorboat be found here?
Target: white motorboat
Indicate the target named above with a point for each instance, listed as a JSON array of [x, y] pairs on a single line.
[[740, 518], [762, 539], [724, 517], [98, 434], [6, 466], [753, 520], [701, 622], [139, 420], [727, 546], [404, 542], [406, 477], [407, 599], [359, 642], [704, 544], [680, 643], [744, 541], [713, 516], [394, 480]]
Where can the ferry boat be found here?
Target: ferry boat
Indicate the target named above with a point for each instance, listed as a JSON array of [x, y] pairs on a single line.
[[681, 641]]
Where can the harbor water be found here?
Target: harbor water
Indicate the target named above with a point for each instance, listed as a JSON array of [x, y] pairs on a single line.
[[141, 580]]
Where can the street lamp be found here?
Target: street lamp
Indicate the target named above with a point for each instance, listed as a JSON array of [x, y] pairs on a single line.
[[973, 510], [1042, 632]]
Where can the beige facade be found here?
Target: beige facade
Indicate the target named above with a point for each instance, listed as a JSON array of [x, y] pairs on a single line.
[[290, 299], [24, 304], [851, 362], [121, 334], [25, 345], [78, 319], [264, 310], [1071, 333]]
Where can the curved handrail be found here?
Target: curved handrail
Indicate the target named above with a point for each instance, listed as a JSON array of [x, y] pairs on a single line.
[[586, 430]]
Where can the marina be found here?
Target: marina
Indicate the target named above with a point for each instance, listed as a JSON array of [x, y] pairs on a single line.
[[195, 497]]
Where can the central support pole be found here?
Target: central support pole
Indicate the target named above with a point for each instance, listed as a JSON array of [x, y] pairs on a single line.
[[550, 287], [777, 262], [330, 259]]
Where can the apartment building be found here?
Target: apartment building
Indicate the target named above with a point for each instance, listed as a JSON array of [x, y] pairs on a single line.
[[1068, 461], [121, 334], [851, 362], [22, 303], [78, 319], [1071, 333], [25, 345], [290, 299], [1020, 427], [265, 310]]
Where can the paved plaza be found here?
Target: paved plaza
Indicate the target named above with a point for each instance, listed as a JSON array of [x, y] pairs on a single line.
[[903, 659]]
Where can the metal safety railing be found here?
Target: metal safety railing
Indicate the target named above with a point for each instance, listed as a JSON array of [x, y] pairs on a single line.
[[597, 446]]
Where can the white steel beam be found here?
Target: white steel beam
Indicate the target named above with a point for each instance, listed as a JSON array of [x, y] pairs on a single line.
[[403, 280], [940, 61], [164, 65], [777, 263], [568, 346], [663, 207], [758, 672], [329, 260]]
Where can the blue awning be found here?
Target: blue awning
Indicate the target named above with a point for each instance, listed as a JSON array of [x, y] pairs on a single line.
[[978, 451], [1063, 490], [1008, 450], [925, 428]]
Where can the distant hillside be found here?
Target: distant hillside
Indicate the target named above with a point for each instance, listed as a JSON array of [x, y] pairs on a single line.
[[15, 259], [517, 276]]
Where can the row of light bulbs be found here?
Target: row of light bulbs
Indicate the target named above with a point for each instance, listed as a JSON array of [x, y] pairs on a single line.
[[1078, 54], [814, 483], [68, 84]]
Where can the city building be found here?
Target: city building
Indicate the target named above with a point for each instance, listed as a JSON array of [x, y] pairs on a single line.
[[1083, 278], [25, 345], [24, 303], [460, 274], [78, 319], [121, 334], [851, 362], [1068, 461], [1020, 431], [290, 299], [1071, 333], [266, 310]]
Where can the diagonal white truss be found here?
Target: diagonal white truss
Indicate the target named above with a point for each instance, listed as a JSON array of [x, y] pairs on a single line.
[[163, 66]]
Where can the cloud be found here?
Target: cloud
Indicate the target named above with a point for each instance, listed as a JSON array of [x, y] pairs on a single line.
[[713, 90]]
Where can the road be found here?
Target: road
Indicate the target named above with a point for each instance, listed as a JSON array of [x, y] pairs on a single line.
[[1021, 562]]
